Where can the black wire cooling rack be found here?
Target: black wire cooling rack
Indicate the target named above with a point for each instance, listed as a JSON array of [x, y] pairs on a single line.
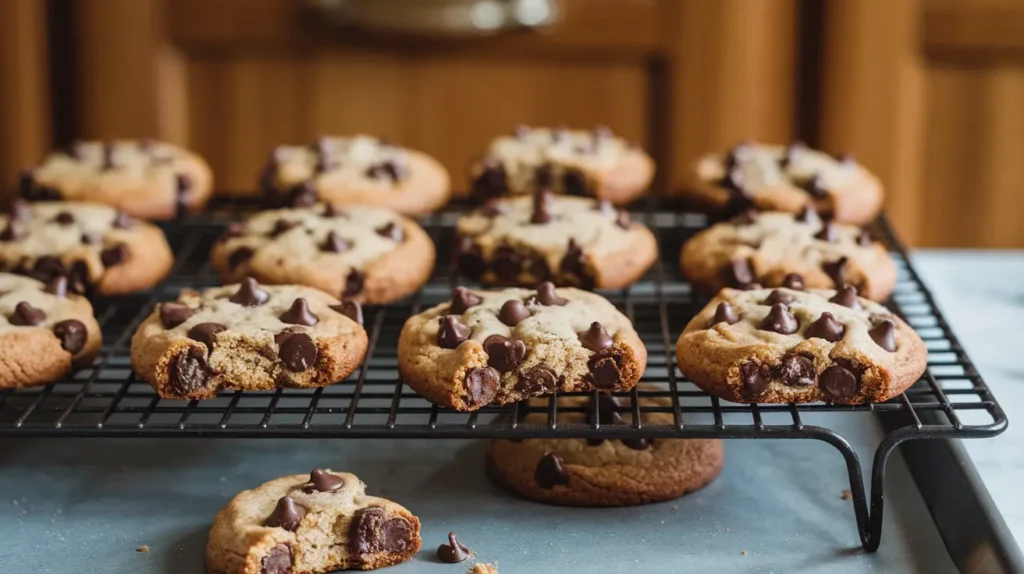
[[107, 400]]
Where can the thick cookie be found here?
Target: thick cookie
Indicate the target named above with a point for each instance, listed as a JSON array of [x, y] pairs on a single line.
[[581, 472], [780, 178], [97, 248], [571, 241], [498, 347], [143, 178], [313, 524], [368, 254], [789, 346], [45, 331], [574, 162], [249, 337], [768, 248], [358, 169]]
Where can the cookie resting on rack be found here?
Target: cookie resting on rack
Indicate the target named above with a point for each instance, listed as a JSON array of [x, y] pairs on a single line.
[[596, 163], [496, 347], [248, 337], [781, 249], [787, 178], [97, 248], [45, 331], [368, 254], [313, 524], [144, 178], [596, 472], [790, 346]]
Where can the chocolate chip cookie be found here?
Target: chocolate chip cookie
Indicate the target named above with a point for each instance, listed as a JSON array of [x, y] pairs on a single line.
[[781, 178], [775, 249], [97, 248], [496, 347], [45, 331], [369, 254], [359, 169], [249, 337], [571, 241], [596, 163], [791, 346], [313, 524], [143, 178], [595, 472]]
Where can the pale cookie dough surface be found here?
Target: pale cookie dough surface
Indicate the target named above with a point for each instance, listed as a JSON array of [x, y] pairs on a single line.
[[574, 162], [358, 169], [44, 331], [98, 248], [571, 241], [144, 178], [765, 247], [249, 337], [476, 354], [312, 524], [787, 178], [369, 254], [739, 353]]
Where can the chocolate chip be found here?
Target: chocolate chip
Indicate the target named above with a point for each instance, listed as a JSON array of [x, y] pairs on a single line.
[[462, 300], [847, 297], [543, 207], [122, 221], [546, 295], [323, 481], [114, 255], [470, 258], [249, 294], [332, 210], [513, 312], [724, 313], [480, 385], [282, 226], [174, 314], [372, 532], [453, 552], [865, 239], [816, 186], [574, 265], [277, 561], [637, 443], [392, 231], [64, 218], [91, 238], [298, 352], [299, 314], [388, 169], [539, 379], [492, 179], [544, 175], [189, 372], [808, 215], [334, 243], [825, 327], [57, 286], [183, 187], [452, 332], [287, 514], [797, 371], [838, 383], [504, 354], [739, 272], [551, 472], [240, 256], [72, 335], [793, 281], [351, 309], [605, 368], [827, 233], [494, 207], [26, 315], [778, 296], [574, 182], [47, 267], [302, 195], [78, 277], [595, 338], [354, 282], [754, 378], [13, 231], [883, 334], [835, 270], [507, 264], [206, 333], [780, 320]]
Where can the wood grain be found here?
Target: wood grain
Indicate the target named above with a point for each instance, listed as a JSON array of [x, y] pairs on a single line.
[[974, 28]]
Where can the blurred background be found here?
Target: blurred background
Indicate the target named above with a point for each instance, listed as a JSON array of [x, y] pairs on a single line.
[[927, 93]]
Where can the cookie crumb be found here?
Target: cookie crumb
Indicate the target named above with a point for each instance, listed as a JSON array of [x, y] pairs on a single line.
[[486, 568], [142, 549], [743, 552], [846, 495]]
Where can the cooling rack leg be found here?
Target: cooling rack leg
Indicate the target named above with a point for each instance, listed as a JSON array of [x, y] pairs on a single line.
[[885, 448], [865, 527]]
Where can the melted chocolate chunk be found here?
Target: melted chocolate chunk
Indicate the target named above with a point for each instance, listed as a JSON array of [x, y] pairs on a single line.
[[739, 272], [206, 333], [462, 300], [605, 368], [826, 327], [797, 370], [78, 277], [836, 270], [372, 532], [793, 281], [64, 218], [574, 182], [114, 255], [287, 514], [539, 379], [575, 261], [724, 313], [240, 256], [351, 309], [392, 231], [754, 378], [189, 372], [778, 296], [470, 258], [453, 552], [513, 312], [323, 481], [354, 282], [298, 352], [299, 314], [335, 243], [480, 385], [278, 560], [883, 334], [72, 335], [596, 338], [47, 268], [546, 295], [847, 297], [57, 286], [492, 180], [551, 472], [504, 354], [249, 294], [26, 315], [452, 332], [838, 383], [174, 314]]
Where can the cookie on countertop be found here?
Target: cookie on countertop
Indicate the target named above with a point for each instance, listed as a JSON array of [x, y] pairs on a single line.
[[99, 249], [496, 347], [313, 524], [45, 331], [787, 178], [250, 337], [769, 248], [596, 163], [596, 472], [144, 178], [357, 169], [571, 241], [369, 254], [790, 346]]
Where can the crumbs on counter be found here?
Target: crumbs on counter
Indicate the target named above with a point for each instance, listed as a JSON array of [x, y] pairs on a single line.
[[485, 568], [142, 549], [846, 495]]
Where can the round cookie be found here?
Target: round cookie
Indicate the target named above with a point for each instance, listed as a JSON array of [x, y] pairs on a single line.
[[789, 346], [357, 169], [768, 248], [496, 347], [368, 254], [571, 241], [573, 162], [143, 178], [582, 472], [781, 178], [99, 249], [45, 331], [314, 524], [249, 337]]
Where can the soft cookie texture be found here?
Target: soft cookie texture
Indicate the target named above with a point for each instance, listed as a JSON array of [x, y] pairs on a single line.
[[496, 347], [573, 162], [369, 254], [358, 169], [781, 178], [595, 472], [144, 178], [250, 337], [769, 248], [571, 241], [45, 331], [99, 249], [790, 346], [310, 524]]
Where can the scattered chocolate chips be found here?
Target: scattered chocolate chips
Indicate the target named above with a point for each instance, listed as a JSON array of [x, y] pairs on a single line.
[[174, 314], [492, 179], [539, 379], [26, 315], [354, 282], [278, 560], [298, 352], [504, 354], [778, 296], [827, 233], [754, 378], [373, 532], [507, 263], [351, 309], [240, 256], [299, 314], [551, 472], [605, 368], [323, 481], [287, 514], [835, 270], [808, 215], [189, 372], [114, 255], [883, 334], [815, 186], [780, 320], [206, 333], [452, 332], [334, 243], [739, 272], [13, 231], [797, 370], [57, 286], [64, 218], [480, 385], [574, 182], [122, 221], [392, 231], [847, 297], [543, 207], [826, 327], [724, 313], [453, 552], [595, 338], [865, 239], [546, 295], [462, 300], [470, 258], [793, 281], [838, 383], [249, 294], [282, 226], [72, 335], [513, 312]]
